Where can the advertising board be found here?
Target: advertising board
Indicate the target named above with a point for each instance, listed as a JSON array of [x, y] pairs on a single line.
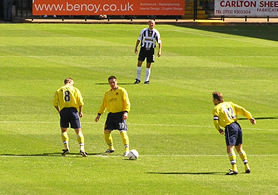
[[253, 8], [108, 7]]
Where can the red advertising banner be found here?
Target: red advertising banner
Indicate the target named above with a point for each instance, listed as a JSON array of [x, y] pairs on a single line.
[[108, 7]]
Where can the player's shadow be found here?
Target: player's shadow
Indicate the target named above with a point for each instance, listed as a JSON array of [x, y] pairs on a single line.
[[118, 84], [261, 118], [238, 31], [186, 173], [55, 154]]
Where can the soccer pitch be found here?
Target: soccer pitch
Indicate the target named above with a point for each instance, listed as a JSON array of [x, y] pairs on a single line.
[[170, 123]]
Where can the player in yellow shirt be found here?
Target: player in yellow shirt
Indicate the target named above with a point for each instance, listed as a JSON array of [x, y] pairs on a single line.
[[117, 103], [69, 102], [225, 115]]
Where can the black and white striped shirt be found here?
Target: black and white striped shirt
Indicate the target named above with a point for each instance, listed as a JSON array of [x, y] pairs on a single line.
[[149, 37]]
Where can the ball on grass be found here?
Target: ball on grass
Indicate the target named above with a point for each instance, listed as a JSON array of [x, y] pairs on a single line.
[[133, 154]]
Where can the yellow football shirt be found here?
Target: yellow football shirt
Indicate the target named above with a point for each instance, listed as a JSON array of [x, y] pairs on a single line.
[[115, 101], [226, 113], [68, 97]]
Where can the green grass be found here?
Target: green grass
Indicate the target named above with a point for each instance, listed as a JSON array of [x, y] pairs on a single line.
[[170, 122]]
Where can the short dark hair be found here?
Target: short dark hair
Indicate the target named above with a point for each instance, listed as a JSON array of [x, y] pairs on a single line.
[[112, 77], [217, 95], [67, 80]]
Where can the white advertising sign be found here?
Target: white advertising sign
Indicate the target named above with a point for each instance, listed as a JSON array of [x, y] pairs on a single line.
[[245, 8]]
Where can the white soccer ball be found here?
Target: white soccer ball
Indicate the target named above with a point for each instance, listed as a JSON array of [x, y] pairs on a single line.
[[133, 155]]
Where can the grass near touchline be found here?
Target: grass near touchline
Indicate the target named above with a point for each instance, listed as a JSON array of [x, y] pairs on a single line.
[[170, 122]]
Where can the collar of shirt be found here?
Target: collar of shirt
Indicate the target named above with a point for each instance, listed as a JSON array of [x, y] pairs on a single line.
[[114, 89]]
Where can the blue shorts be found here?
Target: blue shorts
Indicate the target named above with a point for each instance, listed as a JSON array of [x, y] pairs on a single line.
[[233, 134], [70, 115], [146, 53], [115, 121]]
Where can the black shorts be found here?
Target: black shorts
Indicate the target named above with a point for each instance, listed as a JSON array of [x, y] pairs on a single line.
[[69, 115], [115, 121], [144, 53], [233, 134]]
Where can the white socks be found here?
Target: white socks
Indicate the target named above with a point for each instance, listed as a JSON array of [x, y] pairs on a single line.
[[148, 73], [147, 76], [139, 72]]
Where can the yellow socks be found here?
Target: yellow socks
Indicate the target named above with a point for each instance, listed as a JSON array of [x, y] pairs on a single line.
[[242, 154], [243, 157], [125, 140], [232, 157], [109, 140], [80, 140], [65, 139]]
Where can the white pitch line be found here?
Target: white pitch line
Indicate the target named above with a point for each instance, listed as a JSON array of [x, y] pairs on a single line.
[[211, 155], [234, 56], [132, 124], [120, 156]]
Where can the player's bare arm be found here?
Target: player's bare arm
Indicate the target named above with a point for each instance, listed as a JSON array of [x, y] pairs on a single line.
[[136, 46], [97, 118], [221, 131], [253, 121], [57, 108], [125, 115], [159, 50], [80, 111]]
